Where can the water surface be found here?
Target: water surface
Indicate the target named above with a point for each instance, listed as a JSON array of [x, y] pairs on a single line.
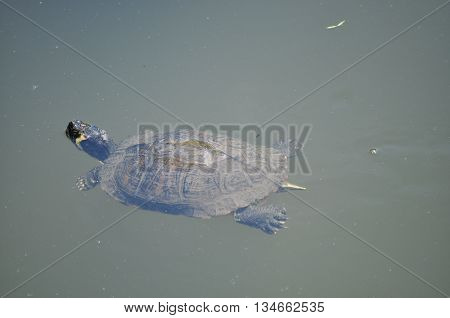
[[229, 62]]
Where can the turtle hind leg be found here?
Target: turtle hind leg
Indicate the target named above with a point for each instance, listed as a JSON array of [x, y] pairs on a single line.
[[89, 181], [267, 218]]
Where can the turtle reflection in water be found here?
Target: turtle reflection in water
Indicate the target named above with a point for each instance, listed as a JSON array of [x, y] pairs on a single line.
[[187, 172]]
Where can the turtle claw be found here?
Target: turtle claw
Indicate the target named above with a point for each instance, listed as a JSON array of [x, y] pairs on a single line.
[[82, 184], [269, 219], [89, 181]]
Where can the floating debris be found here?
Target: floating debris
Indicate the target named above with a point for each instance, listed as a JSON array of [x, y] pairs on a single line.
[[336, 25]]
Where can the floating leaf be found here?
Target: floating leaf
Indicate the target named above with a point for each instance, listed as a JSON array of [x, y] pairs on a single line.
[[336, 25]]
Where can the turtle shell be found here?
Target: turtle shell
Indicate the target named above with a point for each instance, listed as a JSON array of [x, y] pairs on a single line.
[[192, 173]]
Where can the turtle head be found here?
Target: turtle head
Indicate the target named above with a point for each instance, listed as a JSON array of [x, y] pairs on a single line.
[[91, 139]]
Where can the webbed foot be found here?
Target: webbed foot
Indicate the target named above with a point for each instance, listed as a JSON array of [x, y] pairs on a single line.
[[269, 219], [89, 181], [83, 184]]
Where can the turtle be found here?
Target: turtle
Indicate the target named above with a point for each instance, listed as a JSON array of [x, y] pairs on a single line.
[[188, 172]]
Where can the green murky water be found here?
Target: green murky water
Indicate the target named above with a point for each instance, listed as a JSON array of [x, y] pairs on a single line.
[[230, 62]]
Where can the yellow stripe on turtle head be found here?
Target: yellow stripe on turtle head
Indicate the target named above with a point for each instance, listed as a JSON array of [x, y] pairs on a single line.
[[80, 139]]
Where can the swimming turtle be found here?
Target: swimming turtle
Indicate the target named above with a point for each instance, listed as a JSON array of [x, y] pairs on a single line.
[[187, 172]]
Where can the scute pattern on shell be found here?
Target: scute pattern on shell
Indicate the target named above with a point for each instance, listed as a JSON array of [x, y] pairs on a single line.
[[192, 173]]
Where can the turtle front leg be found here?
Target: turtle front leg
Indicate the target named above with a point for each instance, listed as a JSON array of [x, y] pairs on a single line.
[[267, 218], [90, 180]]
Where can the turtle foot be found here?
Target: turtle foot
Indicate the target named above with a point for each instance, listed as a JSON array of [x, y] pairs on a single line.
[[89, 181], [269, 219], [83, 184]]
